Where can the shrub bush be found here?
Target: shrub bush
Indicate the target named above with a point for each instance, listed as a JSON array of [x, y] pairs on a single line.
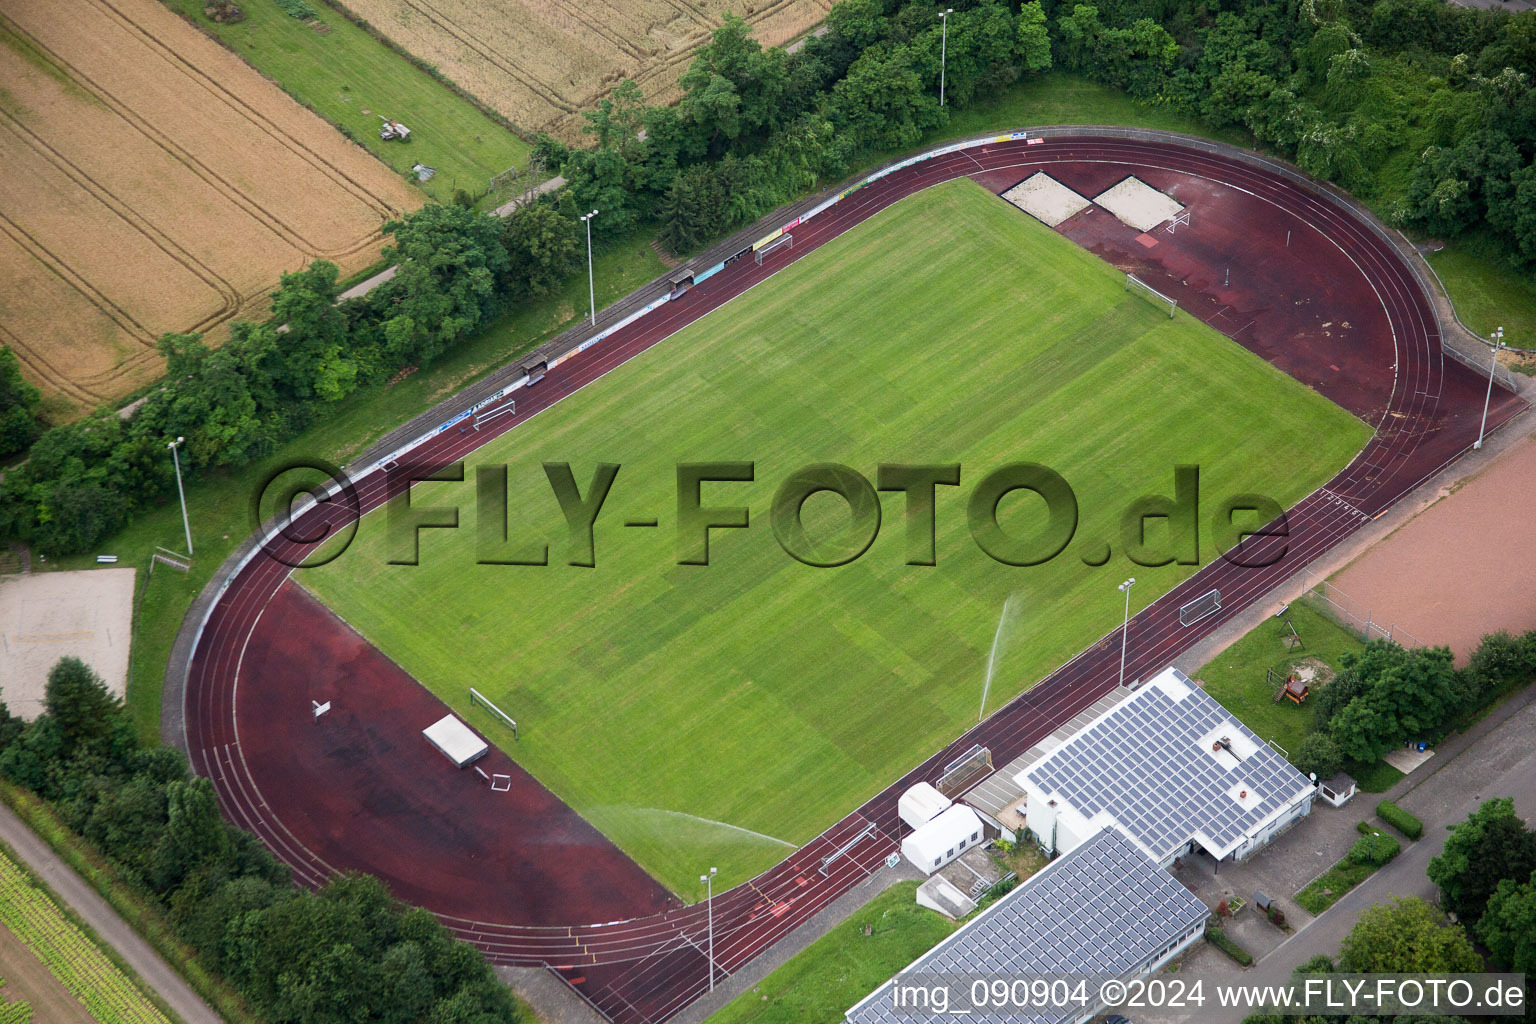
[[1221, 941], [1400, 819], [1375, 849]]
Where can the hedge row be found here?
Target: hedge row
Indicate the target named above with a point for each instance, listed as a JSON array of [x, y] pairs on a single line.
[[1218, 938], [1400, 819]]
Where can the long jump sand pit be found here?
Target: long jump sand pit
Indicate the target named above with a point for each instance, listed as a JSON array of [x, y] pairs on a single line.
[[1046, 199], [156, 183], [1138, 204], [1464, 566], [540, 64], [51, 615]]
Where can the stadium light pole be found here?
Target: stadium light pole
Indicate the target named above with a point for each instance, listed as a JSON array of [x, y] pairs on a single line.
[[943, 48], [176, 460], [591, 291], [1125, 628], [709, 906], [1497, 338]]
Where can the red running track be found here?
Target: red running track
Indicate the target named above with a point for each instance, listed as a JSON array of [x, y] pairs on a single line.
[[646, 968]]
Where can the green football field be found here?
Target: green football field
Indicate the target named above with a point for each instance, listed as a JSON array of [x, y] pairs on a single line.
[[717, 715]]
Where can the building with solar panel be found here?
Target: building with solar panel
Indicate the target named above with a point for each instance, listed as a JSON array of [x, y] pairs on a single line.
[[1103, 911], [1173, 769]]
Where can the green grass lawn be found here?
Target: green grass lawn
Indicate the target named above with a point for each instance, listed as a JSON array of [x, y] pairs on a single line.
[[1236, 676], [763, 695], [1488, 294], [344, 72], [821, 982], [1237, 679], [1064, 98]]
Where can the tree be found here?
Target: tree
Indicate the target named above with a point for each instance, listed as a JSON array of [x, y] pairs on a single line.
[[1386, 695], [77, 700], [449, 259], [543, 248], [1408, 936], [1493, 844], [1034, 39], [1319, 755], [1508, 926], [314, 350], [19, 401], [884, 100]]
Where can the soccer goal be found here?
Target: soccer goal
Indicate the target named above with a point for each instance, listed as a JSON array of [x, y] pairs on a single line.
[[485, 416], [1206, 604], [1136, 284], [476, 697], [782, 242], [961, 773], [1180, 220]]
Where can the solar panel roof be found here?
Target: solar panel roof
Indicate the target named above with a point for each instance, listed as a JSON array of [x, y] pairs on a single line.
[[1149, 762], [1105, 909]]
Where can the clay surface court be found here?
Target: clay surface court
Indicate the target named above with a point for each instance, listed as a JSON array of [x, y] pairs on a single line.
[[45, 616], [1463, 567], [1344, 313], [541, 64], [156, 183]]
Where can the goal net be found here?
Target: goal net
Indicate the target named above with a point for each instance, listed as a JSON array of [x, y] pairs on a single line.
[[1140, 287], [1208, 603], [964, 770], [478, 698], [782, 242], [486, 415]]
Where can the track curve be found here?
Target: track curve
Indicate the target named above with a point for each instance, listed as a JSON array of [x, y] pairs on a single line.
[[646, 969]]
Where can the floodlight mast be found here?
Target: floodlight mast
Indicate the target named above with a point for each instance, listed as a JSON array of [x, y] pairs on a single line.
[[943, 48], [709, 907], [1497, 340], [1125, 628], [591, 290], [180, 493]]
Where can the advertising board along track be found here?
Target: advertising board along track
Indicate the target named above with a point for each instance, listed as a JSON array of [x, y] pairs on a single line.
[[646, 969]]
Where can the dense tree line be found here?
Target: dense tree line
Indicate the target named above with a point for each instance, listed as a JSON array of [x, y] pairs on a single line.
[[758, 127], [1388, 695], [1487, 876], [346, 953], [19, 401], [1425, 107], [270, 380]]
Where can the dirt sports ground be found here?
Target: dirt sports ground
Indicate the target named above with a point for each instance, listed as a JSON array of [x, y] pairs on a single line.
[[1312, 288], [156, 183], [541, 63], [1461, 568]]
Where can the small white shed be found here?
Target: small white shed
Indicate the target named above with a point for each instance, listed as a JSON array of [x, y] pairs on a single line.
[[456, 740], [921, 804], [943, 839]]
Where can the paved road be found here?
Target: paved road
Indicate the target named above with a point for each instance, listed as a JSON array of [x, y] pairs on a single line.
[[96, 912], [1493, 759]]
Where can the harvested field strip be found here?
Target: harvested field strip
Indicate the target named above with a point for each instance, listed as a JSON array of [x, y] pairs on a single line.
[[180, 153], [69, 953], [541, 65], [158, 184], [156, 237]]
